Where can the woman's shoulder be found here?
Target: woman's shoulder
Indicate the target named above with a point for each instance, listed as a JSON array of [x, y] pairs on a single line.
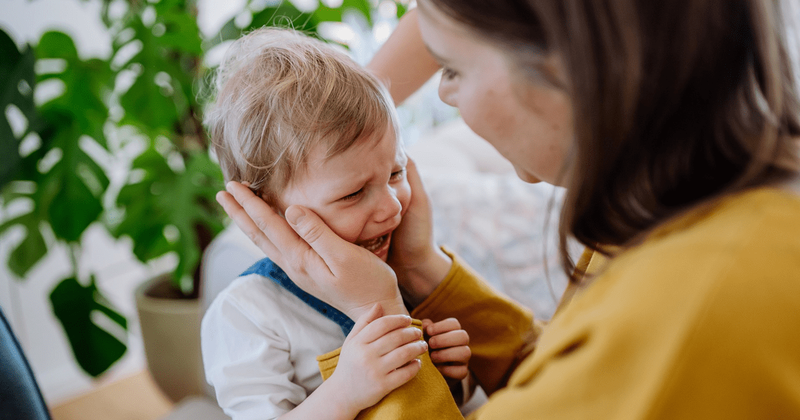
[[751, 221], [741, 253]]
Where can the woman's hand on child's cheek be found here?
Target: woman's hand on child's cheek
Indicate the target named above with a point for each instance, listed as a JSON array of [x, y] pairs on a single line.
[[419, 264], [379, 355], [234, 208], [344, 275], [449, 345]]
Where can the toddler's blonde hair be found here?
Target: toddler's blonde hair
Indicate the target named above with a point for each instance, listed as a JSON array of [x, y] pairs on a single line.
[[279, 94]]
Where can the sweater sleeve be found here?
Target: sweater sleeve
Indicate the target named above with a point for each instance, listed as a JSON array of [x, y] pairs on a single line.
[[501, 331], [426, 396]]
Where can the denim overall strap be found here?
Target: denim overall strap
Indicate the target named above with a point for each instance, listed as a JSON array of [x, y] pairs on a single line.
[[270, 270]]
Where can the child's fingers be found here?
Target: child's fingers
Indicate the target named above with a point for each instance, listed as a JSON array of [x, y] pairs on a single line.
[[382, 326], [402, 355], [449, 339], [443, 326], [374, 313], [426, 323], [395, 339], [459, 354], [457, 372], [403, 374]]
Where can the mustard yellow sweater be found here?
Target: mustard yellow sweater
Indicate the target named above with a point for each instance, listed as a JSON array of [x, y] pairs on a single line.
[[702, 320]]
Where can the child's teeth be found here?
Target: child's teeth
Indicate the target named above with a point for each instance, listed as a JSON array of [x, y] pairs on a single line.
[[374, 244]]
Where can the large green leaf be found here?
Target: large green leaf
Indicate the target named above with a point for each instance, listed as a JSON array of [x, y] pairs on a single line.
[[94, 348], [63, 196], [161, 98], [86, 83], [69, 194], [145, 214], [32, 248], [17, 80], [165, 199]]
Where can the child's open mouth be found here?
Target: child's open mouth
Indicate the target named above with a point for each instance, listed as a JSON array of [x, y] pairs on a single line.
[[378, 246]]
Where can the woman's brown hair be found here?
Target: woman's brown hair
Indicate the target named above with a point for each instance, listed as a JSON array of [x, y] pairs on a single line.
[[676, 102]]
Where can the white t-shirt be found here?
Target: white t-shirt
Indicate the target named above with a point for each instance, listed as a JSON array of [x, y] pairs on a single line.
[[260, 342]]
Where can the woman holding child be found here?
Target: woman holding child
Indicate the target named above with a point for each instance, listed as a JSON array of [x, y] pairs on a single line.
[[675, 126]]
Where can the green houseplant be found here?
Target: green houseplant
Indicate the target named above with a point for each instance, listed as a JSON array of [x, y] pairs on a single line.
[[145, 93]]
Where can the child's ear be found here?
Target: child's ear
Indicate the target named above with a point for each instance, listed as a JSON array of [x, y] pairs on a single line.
[[278, 208]]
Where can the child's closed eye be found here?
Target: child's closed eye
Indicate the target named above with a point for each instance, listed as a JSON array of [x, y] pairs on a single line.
[[353, 196]]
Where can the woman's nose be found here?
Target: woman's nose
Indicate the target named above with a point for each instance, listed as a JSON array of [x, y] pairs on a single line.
[[388, 206], [447, 93]]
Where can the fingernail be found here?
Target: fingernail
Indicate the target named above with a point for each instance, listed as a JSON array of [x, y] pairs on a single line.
[[228, 186], [295, 215]]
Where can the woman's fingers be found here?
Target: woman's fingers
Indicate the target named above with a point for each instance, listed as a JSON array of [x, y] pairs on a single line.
[[247, 225], [316, 234], [415, 182], [342, 274], [268, 224]]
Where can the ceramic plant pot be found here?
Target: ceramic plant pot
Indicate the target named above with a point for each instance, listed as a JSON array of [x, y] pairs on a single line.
[[170, 327]]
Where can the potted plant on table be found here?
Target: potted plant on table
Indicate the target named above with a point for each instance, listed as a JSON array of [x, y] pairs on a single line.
[[58, 156]]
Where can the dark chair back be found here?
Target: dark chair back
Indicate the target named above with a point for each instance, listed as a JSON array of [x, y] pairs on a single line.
[[20, 398]]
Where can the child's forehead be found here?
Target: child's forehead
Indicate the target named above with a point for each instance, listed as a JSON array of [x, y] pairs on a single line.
[[362, 156], [365, 147]]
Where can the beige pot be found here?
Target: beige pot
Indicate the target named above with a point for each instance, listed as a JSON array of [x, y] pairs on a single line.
[[171, 335]]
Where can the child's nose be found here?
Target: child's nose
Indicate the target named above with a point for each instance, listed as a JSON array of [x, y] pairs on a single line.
[[388, 206]]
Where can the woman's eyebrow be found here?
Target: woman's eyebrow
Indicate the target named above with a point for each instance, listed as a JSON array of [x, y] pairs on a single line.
[[437, 57]]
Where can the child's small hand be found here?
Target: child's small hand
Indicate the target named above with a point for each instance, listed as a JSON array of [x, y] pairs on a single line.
[[379, 355], [449, 347]]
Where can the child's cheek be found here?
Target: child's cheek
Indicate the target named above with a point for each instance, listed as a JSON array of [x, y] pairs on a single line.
[[346, 224]]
